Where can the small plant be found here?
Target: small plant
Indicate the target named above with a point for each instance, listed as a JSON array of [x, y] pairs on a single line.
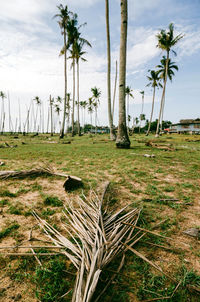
[[53, 201], [7, 193], [3, 202], [7, 231], [15, 210]]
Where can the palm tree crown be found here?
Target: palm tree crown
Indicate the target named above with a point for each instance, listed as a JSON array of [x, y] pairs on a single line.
[[154, 78], [170, 67], [166, 39]]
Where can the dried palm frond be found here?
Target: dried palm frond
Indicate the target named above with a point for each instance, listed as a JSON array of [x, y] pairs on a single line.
[[98, 237]]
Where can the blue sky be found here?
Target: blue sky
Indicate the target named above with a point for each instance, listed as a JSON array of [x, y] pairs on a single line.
[[30, 41]]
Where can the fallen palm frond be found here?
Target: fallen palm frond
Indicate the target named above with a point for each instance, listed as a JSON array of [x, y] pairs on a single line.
[[97, 238], [70, 183]]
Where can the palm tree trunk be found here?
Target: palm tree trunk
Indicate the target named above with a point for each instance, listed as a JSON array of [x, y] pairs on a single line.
[[163, 95], [73, 98], [96, 120], [141, 113], [149, 127], [110, 117], [128, 112], [161, 121], [78, 113], [51, 109], [65, 88], [114, 92], [122, 136]]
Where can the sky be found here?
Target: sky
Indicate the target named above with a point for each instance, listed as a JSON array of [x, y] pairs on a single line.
[[30, 41]]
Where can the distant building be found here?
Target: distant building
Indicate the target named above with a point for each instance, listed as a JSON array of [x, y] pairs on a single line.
[[185, 126]]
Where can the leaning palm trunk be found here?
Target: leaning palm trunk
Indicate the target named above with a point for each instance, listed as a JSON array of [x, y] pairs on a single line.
[[73, 100], [110, 116], [65, 89], [78, 107], [152, 109], [163, 95], [97, 237], [122, 136]]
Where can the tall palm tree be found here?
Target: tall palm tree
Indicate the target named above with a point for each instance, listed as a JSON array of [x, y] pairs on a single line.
[[122, 140], [84, 106], [142, 93], [96, 93], [128, 93], [2, 96], [90, 109], [79, 44], [154, 82], [170, 73], [38, 104], [110, 116], [166, 40], [64, 17]]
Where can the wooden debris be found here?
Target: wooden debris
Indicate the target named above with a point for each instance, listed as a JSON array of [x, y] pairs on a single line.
[[193, 232], [149, 155], [101, 237], [165, 147], [72, 183]]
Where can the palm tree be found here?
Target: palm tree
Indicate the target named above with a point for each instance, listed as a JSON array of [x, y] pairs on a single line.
[[90, 109], [64, 17], [2, 96], [51, 101], [122, 135], [166, 40], [142, 93], [79, 55], [38, 104], [154, 81], [128, 93], [110, 115], [83, 104], [96, 93], [170, 73]]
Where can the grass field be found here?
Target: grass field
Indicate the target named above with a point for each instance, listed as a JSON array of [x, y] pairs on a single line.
[[143, 182]]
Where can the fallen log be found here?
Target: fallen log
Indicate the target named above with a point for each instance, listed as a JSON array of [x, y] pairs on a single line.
[[71, 182]]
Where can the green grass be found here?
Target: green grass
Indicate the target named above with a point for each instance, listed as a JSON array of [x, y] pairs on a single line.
[[135, 180], [53, 201], [7, 231]]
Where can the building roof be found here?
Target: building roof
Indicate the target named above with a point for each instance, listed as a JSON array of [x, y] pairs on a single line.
[[187, 122]]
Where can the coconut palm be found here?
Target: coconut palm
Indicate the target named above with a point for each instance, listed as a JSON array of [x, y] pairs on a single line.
[[128, 93], [154, 82], [90, 109], [142, 93], [64, 17], [110, 115], [78, 48], [2, 121], [166, 40], [122, 140], [96, 93], [170, 73], [83, 105], [76, 52], [38, 104]]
